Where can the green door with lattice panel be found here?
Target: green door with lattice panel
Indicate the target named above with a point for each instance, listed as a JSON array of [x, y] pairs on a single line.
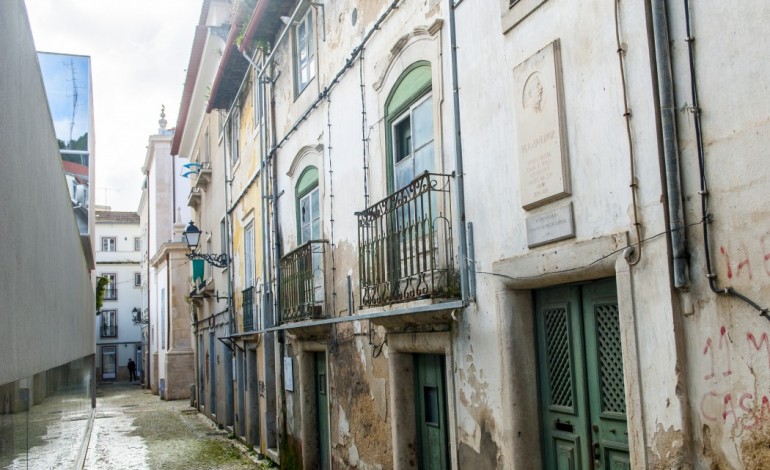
[[604, 364], [582, 399]]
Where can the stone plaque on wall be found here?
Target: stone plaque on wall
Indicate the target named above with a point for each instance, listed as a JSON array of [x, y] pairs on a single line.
[[539, 114], [553, 225]]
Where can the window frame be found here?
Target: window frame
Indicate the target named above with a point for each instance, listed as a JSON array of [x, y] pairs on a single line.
[[409, 113], [393, 116], [249, 258], [137, 243], [307, 192], [111, 313], [137, 279], [309, 47], [111, 286], [114, 244], [234, 126]]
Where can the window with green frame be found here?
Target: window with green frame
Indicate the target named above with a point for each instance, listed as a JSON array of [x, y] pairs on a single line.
[[308, 206], [409, 126]]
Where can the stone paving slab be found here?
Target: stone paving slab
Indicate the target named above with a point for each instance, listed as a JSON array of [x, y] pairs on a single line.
[[134, 429]]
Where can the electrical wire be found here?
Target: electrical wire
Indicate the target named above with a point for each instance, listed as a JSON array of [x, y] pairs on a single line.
[[627, 115], [706, 215], [602, 258]]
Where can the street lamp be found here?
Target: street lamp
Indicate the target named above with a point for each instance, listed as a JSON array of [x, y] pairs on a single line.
[[192, 236], [136, 316]]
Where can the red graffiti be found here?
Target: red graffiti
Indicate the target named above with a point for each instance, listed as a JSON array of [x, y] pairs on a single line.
[[765, 252], [762, 340], [743, 264], [723, 345], [737, 415]]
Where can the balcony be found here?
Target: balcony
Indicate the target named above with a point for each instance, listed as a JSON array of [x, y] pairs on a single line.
[[405, 244], [248, 309], [302, 283], [109, 331], [111, 293], [204, 175], [194, 199]]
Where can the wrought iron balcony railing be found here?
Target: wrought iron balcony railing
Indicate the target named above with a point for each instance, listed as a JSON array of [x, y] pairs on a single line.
[[302, 283], [405, 244], [248, 309], [111, 293], [109, 331]]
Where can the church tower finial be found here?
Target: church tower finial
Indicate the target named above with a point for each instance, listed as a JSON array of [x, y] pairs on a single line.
[[162, 121]]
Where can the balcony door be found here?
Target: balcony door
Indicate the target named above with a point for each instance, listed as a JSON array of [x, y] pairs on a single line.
[[109, 324], [309, 224]]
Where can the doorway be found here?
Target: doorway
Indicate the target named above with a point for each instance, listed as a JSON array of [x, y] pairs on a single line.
[[109, 362], [430, 412], [322, 405], [580, 371]]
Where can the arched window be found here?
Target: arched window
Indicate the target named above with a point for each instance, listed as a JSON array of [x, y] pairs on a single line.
[[308, 206], [409, 120]]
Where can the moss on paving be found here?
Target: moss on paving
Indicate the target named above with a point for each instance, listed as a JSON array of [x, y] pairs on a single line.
[[178, 441]]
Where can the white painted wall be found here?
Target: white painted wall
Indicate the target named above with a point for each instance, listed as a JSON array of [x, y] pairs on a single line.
[[47, 300], [124, 263]]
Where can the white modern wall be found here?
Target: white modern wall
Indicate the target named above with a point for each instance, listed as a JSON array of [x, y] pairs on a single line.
[[47, 303]]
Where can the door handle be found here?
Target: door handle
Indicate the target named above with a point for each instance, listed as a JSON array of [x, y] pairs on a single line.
[[597, 455]]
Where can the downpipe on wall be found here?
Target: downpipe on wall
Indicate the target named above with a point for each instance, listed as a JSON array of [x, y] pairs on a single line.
[[667, 108]]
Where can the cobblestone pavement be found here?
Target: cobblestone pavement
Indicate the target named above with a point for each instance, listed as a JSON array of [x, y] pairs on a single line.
[[134, 429]]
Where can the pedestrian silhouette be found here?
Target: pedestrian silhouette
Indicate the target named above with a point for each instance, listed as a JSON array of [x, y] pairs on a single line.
[[131, 370]]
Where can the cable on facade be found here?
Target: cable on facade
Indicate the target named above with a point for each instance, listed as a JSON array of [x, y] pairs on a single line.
[[321, 96], [348, 64], [597, 260], [364, 136], [706, 215], [332, 244], [627, 115]]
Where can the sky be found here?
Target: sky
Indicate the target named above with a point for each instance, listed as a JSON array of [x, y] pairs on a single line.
[[139, 52]]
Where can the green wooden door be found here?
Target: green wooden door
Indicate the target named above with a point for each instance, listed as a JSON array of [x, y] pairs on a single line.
[[322, 407], [430, 399], [604, 361], [581, 377]]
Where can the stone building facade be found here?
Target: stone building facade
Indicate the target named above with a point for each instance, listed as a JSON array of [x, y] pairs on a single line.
[[496, 234]]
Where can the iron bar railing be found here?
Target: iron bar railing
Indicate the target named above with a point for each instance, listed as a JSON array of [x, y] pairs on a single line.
[[111, 293], [405, 244], [248, 309], [302, 283]]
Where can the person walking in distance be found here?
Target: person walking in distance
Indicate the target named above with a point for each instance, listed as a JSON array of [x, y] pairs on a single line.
[[131, 370]]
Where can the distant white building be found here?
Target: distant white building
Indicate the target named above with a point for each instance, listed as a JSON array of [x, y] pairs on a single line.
[[165, 213], [118, 325]]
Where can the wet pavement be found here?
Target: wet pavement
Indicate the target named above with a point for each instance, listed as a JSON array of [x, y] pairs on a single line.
[[134, 429]]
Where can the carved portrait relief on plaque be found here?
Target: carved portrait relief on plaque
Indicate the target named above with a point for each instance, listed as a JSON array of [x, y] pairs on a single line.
[[541, 149]]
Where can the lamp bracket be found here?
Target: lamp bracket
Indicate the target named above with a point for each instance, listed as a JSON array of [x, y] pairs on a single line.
[[220, 261]]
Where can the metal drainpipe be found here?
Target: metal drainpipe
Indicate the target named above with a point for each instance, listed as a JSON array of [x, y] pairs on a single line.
[[462, 250], [228, 240], [462, 240], [263, 204], [669, 137], [148, 352]]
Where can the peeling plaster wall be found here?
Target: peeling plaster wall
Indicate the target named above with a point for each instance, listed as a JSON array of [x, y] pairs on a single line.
[[726, 341], [695, 364]]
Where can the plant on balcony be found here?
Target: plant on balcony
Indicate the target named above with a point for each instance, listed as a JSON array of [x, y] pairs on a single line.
[[101, 288]]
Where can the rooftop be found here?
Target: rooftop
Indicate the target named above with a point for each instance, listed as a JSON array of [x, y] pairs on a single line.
[[116, 217]]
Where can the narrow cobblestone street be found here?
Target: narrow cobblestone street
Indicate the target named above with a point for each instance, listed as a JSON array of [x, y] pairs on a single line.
[[134, 429]]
